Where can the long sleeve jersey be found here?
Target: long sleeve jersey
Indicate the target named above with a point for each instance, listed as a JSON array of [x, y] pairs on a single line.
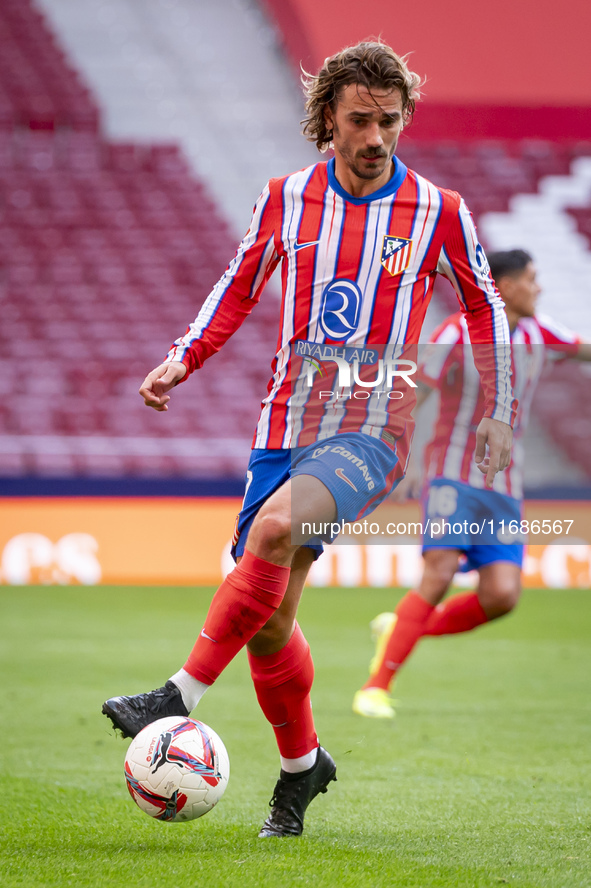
[[357, 275], [448, 365]]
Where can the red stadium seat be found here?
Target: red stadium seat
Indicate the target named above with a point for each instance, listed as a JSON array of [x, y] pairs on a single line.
[[108, 250]]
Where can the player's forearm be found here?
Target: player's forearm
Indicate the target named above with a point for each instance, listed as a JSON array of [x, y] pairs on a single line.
[[490, 338], [491, 347], [464, 263], [209, 332]]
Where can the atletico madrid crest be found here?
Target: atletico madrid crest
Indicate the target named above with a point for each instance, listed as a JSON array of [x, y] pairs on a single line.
[[396, 254]]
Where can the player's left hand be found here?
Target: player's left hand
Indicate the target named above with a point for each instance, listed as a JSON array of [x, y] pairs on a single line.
[[498, 436]]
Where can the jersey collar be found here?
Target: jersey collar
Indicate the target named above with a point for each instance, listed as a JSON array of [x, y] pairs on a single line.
[[390, 188]]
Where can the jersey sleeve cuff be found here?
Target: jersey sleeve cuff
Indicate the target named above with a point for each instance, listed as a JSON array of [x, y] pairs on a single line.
[[503, 414], [186, 360]]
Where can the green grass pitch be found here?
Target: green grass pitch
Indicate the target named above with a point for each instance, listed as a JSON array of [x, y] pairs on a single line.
[[483, 778]]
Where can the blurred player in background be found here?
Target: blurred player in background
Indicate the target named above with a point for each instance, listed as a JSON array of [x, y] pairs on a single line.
[[360, 240], [455, 492]]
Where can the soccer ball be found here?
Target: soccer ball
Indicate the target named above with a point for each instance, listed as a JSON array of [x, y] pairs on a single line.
[[176, 769]]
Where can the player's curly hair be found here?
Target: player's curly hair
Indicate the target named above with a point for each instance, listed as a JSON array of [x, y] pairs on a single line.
[[372, 64]]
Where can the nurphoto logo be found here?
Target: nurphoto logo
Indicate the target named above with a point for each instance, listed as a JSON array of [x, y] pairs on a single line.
[[386, 371]]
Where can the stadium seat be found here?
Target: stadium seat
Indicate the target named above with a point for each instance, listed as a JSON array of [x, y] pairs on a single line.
[[107, 251]]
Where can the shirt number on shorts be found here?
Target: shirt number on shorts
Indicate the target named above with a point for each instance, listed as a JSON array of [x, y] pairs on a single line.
[[442, 501]]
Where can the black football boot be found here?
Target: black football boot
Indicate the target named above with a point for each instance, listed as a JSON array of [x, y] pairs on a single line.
[[130, 714], [292, 795]]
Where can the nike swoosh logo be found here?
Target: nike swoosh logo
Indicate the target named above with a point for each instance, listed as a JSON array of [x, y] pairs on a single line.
[[340, 474], [209, 638], [303, 246]]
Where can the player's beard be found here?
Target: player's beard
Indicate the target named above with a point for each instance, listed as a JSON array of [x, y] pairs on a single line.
[[356, 163], [367, 171]]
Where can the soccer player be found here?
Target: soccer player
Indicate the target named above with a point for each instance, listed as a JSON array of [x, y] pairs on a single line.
[[455, 492], [360, 240]]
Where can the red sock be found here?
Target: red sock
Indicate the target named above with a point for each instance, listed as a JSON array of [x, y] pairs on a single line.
[[413, 613], [282, 683], [243, 603], [460, 613]]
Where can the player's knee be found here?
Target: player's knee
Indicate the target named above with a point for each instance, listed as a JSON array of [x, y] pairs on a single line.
[[440, 567], [501, 598], [507, 597], [272, 529]]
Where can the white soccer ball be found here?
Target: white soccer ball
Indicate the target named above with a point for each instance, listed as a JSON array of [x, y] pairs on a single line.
[[176, 769]]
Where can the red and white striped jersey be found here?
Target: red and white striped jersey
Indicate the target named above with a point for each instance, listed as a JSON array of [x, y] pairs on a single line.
[[355, 272], [448, 365]]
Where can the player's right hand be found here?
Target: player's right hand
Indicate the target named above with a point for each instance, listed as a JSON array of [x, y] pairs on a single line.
[[155, 386], [498, 437]]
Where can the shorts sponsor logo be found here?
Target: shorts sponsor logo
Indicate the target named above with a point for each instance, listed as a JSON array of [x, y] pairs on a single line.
[[340, 474], [356, 460]]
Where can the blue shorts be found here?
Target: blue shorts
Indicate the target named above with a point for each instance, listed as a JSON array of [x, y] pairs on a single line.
[[358, 470], [457, 516]]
